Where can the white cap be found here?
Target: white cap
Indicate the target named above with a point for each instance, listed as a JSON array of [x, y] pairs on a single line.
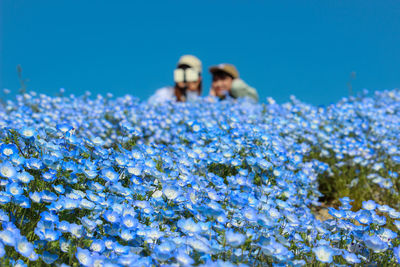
[[191, 61]]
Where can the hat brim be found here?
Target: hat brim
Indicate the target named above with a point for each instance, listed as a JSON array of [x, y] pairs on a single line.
[[215, 69]]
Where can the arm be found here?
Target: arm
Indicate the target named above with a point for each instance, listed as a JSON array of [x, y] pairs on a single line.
[[241, 89]]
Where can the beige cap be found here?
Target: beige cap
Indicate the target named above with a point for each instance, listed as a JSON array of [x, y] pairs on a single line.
[[227, 68], [191, 61]]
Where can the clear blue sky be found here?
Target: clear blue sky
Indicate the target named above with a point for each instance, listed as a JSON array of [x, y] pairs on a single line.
[[307, 48]]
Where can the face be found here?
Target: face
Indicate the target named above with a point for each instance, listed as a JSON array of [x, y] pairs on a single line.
[[221, 84], [191, 86]]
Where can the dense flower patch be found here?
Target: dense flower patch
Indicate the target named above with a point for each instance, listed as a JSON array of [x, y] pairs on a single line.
[[119, 182]]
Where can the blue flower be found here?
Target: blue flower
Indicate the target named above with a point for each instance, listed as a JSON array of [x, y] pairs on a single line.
[[14, 189], [64, 127], [84, 257], [111, 216], [351, 257], [63, 226], [164, 251], [7, 170], [234, 239], [110, 175], [188, 226], [375, 243], [24, 247], [28, 132], [97, 246], [183, 258], [20, 263], [324, 253], [396, 252], [24, 177], [8, 238], [129, 221], [8, 150], [171, 192], [369, 205]]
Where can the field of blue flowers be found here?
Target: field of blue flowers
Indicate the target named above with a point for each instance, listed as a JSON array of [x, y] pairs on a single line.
[[103, 181]]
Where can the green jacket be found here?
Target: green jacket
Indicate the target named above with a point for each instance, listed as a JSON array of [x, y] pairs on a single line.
[[242, 89]]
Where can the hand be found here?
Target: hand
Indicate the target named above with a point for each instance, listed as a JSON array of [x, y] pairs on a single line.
[[212, 92]]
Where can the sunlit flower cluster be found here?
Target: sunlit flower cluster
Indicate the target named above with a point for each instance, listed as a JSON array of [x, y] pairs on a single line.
[[119, 182]]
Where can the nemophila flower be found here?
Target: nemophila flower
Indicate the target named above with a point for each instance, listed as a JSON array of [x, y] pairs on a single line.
[[2, 250], [49, 234], [199, 244], [364, 217], [129, 221], [97, 246], [4, 216], [20, 263], [375, 243], [24, 247], [76, 230], [86, 204], [234, 239], [110, 175], [24, 177], [8, 237], [49, 216], [49, 176], [63, 226], [5, 198], [250, 214], [351, 257], [396, 252], [34, 164], [84, 257], [111, 216], [324, 254], [384, 208], [121, 249], [171, 192], [28, 132], [22, 201], [35, 196], [397, 224], [127, 235], [188, 226], [14, 189], [17, 160], [394, 214], [183, 258], [8, 150], [48, 196], [70, 204], [164, 251], [64, 127], [337, 213], [59, 188], [7, 170], [369, 205], [386, 234], [65, 245]]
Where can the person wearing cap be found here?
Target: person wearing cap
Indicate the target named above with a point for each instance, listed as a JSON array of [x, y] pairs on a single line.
[[188, 82], [226, 81]]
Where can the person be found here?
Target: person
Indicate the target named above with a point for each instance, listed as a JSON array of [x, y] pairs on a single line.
[[188, 82], [226, 81]]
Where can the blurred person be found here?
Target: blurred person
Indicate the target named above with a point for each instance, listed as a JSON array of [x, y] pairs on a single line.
[[226, 82], [188, 82]]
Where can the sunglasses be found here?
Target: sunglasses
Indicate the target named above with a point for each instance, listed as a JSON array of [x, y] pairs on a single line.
[[186, 75]]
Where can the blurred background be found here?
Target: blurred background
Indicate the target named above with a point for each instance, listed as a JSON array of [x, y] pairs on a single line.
[[312, 49]]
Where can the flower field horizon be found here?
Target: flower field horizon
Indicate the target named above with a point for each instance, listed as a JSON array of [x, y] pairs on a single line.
[[104, 181]]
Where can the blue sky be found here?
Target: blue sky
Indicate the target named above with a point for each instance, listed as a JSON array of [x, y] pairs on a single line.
[[303, 48]]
